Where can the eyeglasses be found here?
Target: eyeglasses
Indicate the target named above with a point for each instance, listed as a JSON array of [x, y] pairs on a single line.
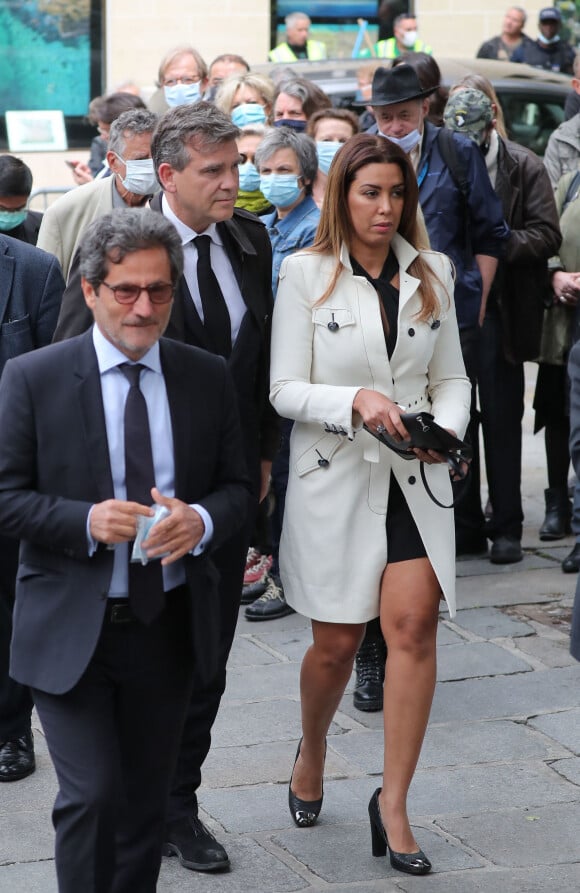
[[158, 293], [186, 81]]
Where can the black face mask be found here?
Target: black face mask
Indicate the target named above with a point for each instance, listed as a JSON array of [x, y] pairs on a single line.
[[298, 126]]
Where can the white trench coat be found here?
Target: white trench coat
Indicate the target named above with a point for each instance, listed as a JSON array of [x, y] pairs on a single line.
[[334, 547]]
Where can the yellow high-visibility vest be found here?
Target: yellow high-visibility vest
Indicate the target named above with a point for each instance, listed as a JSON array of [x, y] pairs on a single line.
[[282, 53]]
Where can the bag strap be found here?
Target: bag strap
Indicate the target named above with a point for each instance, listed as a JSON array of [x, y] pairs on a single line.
[[458, 170], [454, 464], [571, 193]]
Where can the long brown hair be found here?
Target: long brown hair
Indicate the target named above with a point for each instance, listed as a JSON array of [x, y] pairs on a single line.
[[335, 227]]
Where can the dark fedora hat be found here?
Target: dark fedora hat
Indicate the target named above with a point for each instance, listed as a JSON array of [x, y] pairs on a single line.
[[399, 84]]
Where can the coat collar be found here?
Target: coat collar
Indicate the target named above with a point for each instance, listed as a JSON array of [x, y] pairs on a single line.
[[7, 265], [405, 254]]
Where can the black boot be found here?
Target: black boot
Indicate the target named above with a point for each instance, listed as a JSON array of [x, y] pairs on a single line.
[[558, 512], [370, 674]]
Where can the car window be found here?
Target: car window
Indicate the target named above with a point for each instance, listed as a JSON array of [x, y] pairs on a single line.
[[530, 121]]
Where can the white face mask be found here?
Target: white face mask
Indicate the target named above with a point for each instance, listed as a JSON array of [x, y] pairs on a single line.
[[409, 39], [407, 143], [140, 176]]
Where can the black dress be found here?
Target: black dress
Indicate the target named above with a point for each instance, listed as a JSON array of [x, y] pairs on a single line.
[[403, 539]]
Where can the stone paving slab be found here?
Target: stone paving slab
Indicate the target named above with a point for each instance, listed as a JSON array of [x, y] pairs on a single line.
[[490, 623], [540, 879], [476, 659], [563, 727], [276, 680], [551, 652], [521, 838], [342, 853], [28, 877], [514, 588], [524, 694], [484, 788], [265, 764], [569, 768], [482, 566]]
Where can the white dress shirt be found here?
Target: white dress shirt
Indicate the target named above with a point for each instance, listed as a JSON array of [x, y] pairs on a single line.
[[114, 388], [220, 264]]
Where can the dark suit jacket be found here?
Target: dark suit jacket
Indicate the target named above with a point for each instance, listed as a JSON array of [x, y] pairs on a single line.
[[250, 254], [54, 464], [31, 287]]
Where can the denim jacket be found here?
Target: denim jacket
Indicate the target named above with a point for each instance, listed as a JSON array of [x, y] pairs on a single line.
[[294, 232]]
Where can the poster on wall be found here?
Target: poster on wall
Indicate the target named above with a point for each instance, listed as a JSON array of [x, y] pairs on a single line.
[[46, 53]]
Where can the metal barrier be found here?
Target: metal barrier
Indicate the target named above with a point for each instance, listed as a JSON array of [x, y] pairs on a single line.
[[45, 193]]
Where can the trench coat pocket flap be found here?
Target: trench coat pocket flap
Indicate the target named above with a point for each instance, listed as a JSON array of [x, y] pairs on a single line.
[[333, 318], [319, 455]]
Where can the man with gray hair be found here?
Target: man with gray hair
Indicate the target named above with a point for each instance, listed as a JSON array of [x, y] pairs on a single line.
[[105, 634], [512, 37], [131, 185], [297, 45], [223, 304]]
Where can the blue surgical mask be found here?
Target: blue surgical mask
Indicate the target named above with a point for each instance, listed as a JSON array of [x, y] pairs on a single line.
[[281, 190], [249, 177], [11, 219], [549, 40], [297, 126], [248, 113], [326, 152], [182, 94], [140, 177], [407, 143]]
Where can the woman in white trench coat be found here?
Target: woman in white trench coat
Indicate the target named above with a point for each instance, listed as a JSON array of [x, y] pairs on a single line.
[[364, 329]]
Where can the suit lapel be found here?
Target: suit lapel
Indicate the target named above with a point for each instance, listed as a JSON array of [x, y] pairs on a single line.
[[179, 395], [90, 406], [6, 278]]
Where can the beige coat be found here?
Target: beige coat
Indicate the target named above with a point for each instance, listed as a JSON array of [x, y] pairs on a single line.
[[64, 222], [334, 547]]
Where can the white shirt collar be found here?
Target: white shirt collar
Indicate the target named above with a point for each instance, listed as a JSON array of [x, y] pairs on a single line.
[[109, 356], [186, 234]]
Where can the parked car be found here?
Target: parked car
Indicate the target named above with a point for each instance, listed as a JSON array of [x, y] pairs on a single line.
[[532, 99]]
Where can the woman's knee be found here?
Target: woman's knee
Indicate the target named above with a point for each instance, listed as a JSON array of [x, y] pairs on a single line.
[[413, 633], [338, 646]]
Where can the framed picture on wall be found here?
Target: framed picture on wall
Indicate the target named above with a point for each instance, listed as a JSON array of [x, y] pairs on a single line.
[[36, 131]]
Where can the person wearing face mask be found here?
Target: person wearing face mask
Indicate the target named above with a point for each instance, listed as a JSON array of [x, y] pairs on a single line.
[[296, 99], [15, 188], [181, 80], [246, 98], [511, 328], [131, 185], [330, 129], [549, 51], [287, 162], [249, 196], [405, 39], [297, 44]]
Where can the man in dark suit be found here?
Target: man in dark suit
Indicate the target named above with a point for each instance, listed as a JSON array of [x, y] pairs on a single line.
[[15, 188], [31, 287], [107, 645], [574, 376], [196, 158]]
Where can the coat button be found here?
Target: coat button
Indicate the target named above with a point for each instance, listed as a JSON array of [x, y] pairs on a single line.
[[412, 479], [324, 463], [411, 332]]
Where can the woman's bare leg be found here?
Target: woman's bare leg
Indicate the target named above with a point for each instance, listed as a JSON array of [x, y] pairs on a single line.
[[410, 595], [326, 669]]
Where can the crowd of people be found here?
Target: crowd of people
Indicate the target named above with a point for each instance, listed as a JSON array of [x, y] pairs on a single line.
[[245, 291]]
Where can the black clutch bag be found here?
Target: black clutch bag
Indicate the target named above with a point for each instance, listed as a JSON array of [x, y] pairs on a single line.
[[426, 434]]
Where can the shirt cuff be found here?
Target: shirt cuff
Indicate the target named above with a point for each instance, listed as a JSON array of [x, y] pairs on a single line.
[[91, 541], [208, 533]]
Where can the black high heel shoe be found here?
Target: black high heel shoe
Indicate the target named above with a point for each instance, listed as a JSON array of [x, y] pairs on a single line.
[[304, 812], [411, 863]]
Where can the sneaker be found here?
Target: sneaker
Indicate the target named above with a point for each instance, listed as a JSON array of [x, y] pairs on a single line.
[[271, 604], [258, 571]]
